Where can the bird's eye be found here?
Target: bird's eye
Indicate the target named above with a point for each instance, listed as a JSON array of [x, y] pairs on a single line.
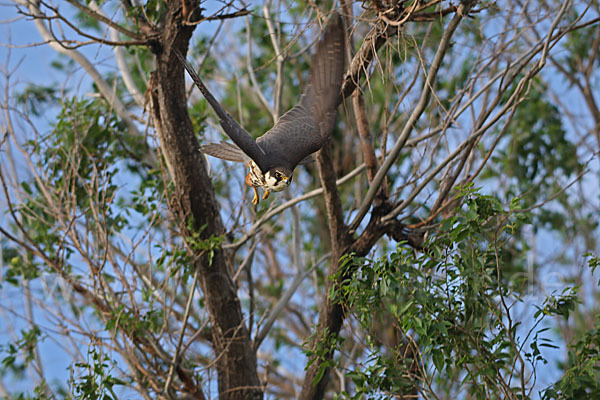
[[277, 175]]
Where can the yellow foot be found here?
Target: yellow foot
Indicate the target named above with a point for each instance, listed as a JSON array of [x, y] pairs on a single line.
[[255, 198], [266, 194]]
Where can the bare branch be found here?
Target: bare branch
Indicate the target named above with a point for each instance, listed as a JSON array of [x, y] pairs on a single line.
[[284, 300], [108, 94], [95, 13], [462, 11]]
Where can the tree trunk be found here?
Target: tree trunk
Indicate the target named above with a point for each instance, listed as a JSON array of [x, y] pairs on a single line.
[[194, 203]]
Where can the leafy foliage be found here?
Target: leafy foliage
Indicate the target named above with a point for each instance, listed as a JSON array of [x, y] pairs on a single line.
[[581, 377], [451, 312], [93, 379]]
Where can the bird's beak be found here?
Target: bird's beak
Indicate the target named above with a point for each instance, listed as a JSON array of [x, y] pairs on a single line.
[[287, 180]]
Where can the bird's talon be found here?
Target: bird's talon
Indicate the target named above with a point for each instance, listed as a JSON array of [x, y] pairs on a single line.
[[255, 198], [266, 194]]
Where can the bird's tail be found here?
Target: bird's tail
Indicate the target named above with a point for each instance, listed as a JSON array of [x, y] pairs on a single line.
[[225, 151]]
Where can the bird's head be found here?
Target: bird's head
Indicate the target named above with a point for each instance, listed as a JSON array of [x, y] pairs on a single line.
[[278, 178]]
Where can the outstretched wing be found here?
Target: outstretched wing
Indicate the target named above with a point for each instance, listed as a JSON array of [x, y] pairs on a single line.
[[239, 136], [225, 151], [305, 128]]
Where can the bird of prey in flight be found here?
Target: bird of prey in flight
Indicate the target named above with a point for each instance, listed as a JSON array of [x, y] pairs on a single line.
[[299, 132]]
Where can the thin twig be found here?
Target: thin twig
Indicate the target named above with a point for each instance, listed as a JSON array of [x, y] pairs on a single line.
[[283, 301], [415, 115], [186, 315]]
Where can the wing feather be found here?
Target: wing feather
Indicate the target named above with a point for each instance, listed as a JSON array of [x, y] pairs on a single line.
[[235, 132], [307, 126]]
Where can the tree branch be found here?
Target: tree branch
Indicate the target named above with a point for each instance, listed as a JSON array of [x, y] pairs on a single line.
[[462, 11], [103, 87]]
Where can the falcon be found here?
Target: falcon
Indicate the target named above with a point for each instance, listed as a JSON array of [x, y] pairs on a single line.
[[301, 131]]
